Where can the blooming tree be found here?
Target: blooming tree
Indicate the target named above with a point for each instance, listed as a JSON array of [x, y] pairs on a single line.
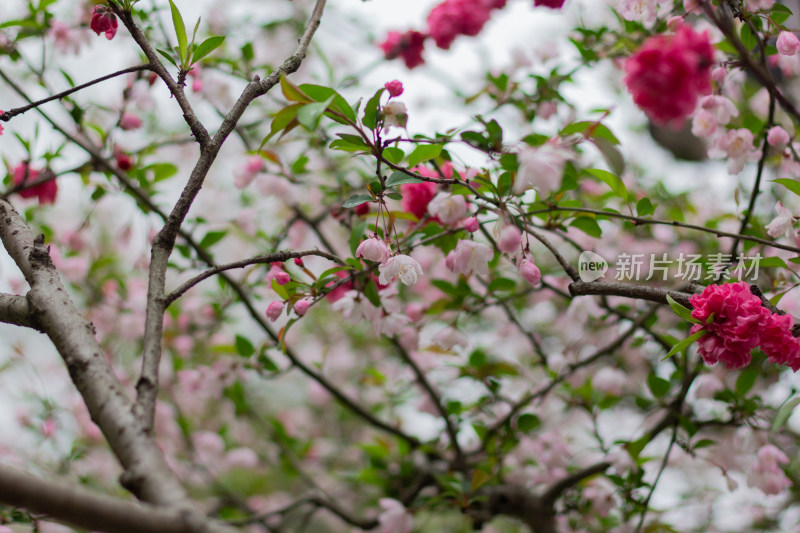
[[278, 303]]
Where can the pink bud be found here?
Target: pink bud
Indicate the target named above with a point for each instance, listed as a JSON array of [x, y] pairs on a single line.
[[302, 306], [299, 262], [394, 87], [529, 272], [718, 74], [373, 249], [674, 23], [471, 224], [777, 137], [788, 44], [510, 239], [129, 121], [274, 310], [282, 278], [361, 209]]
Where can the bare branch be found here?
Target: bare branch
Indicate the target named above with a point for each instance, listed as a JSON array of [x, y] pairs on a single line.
[[641, 292], [66, 502], [260, 259], [14, 310]]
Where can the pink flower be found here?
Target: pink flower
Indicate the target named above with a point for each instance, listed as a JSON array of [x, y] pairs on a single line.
[[552, 4], [452, 18], [394, 517], [373, 249], [402, 266], [541, 167], [703, 123], [468, 257], [408, 45], [274, 310], [778, 342], [302, 306], [644, 11], [277, 273], [129, 121], [448, 208], [395, 88], [471, 224], [124, 161], [668, 74], [65, 39], [777, 137], [788, 44], [46, 192], [692, 6], [510, 240], [781, 224], [416, 197], [104, 21], [529, 272], [734, 330], [737, 147], [766, 473]]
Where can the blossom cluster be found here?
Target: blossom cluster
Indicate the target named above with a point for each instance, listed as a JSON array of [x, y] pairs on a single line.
[[735, 322]]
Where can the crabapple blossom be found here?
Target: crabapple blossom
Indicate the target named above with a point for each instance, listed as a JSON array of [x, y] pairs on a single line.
[[46, 192], [468, 257], [644, 11], [452, 18], [668, 74], [408, 45], [356, 308], [373, 249], [417, 196], [471, 224], [395, 114], [104, 21], [274, 310], [766, 473], [448, 208], [788, 44], [781, 224], [301, 306], [529, 272], [692, 6], [777, 137], [704, 124], [755, 5], [402, 266], [394, 87], [394, 517], [129, 121], [737, 146], [541, 167], [510, 240]]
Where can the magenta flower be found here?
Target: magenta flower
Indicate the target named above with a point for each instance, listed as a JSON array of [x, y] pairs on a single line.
[[395, 88], [668, 74], [104, 21], [46, 192], [408, 45], [417, 196], [552, 4]]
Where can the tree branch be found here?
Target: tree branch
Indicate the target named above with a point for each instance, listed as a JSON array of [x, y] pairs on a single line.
[[15, 310]]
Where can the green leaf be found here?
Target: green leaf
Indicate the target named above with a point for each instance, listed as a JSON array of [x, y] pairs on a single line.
[[292, 92], [356, 234], [792, 185], [399, 178], [244, 347], [393, 155], [590, 129], [685, 343], [527, 422], [772, 262], [371, 292], [211, 238], [370, 118], [167, 56], [180, 31], [589, 226], [658, 386], [281, 120], [357, 199], [424, 152], [309, 115], [746, 380], [319, 93], [780, 13], [645, 207], [280, 289], [502, 284], [611, 180], [784, 412], [611, 154], [683, 312], [206, 47]]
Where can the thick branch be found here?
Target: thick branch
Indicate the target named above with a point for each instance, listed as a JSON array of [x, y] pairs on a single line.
[[640, 292], [15, 310], [84, 509]]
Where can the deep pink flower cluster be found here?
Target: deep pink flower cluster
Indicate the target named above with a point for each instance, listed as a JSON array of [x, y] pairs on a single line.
[[669, 73], [739, 324], [104, 21], [552, 4], [46, 192], [408, 45], [417, 196]]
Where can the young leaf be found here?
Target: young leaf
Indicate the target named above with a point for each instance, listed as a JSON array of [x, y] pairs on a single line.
[[784, 413], [370, 118], [681, 311], [685, 343], [206, 47], [399, 178], [424, 152], [180, 31]]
